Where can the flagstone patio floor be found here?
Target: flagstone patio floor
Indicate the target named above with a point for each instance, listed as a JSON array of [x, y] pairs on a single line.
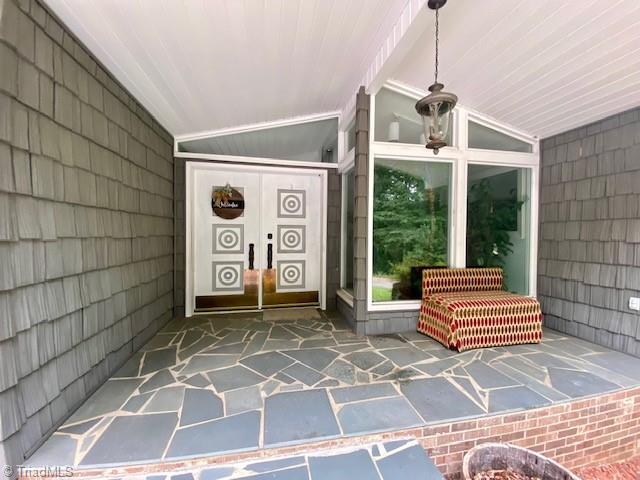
[[217, 384]]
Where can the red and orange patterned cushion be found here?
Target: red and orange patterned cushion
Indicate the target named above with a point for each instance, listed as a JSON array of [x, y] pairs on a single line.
[[475, 312], [460, 280]]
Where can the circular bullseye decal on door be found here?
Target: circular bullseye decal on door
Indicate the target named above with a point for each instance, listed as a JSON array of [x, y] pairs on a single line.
[[292, 203], [291, 274], [228, 277], [292, 238], [228, 238]]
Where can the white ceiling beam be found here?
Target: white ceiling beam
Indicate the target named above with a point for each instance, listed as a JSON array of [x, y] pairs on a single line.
[[414, 19]]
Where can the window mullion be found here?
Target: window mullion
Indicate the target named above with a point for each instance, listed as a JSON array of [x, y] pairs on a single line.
[[459, 219]]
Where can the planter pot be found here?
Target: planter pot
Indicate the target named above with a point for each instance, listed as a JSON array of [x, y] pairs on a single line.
[[500, 456]]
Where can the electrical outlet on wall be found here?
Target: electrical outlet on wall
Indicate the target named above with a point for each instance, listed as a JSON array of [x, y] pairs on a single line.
[[634, 303]]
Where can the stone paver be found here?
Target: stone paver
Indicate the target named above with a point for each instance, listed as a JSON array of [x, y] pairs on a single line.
[[234, 377], [228, 383], [408, 463], [363, 392], [437, 399], [358, 464], [579, 384], [200, 406], [132, 439], [378, 415], [515, 398], [228, 434], [107, 399], [292, 416]]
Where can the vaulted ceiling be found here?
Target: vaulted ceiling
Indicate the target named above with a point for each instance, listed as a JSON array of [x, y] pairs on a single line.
[[208, 64], [542, 66]]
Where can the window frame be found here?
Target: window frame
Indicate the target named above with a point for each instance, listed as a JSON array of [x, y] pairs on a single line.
[[346, 163], [452, 207], [460, 156], [521, 228]]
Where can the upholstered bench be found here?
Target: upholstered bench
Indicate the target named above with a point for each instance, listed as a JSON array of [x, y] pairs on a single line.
[[465, 308]]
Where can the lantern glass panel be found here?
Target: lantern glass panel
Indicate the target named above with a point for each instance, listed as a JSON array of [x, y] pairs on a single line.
[[391, 107]]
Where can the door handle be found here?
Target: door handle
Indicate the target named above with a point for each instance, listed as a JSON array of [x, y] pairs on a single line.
[[251, 256], [269, 255]]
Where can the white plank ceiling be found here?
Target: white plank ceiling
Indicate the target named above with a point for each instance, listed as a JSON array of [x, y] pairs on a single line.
[[201, 65], [543, 66]]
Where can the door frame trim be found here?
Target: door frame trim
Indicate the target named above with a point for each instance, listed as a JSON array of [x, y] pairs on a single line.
[[191, 167]]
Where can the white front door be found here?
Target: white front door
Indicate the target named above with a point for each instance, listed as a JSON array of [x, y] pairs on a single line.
[[271, 254], [292, 233]]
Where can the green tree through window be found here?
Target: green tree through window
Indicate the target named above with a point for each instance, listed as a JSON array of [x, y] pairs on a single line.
[[409, 228]]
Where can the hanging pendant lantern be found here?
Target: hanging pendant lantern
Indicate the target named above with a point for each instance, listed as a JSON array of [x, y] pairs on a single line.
[[436, 109]]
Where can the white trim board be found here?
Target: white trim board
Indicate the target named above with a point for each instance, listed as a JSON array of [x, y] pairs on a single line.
[[345, 296], [256, 161]]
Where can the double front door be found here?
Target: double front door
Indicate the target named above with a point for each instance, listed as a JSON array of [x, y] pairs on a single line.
[[257, 237]]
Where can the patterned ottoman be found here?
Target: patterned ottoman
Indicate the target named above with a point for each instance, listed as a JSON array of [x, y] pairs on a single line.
[[465, 308]]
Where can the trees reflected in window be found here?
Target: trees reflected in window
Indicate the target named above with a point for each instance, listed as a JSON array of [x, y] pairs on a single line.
[[410, 225], [498, 218]]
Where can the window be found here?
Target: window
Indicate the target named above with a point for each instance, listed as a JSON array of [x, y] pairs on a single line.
[[309, 142], [397, 120], [498, 219], [348, 206], [410, 225], [490, 139], [419, 202]]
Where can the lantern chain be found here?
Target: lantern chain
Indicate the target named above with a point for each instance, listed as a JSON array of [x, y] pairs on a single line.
[[437, 39]]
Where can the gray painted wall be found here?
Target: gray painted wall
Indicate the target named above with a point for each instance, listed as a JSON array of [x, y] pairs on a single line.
[[179, 235], [86, 226], [334, 219], [589, 239], [363, 105]]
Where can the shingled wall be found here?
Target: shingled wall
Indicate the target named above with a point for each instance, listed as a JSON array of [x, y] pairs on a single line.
[[86, 225], [589, 241]]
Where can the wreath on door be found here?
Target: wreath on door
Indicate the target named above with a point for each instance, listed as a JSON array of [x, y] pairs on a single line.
[[227, 202]]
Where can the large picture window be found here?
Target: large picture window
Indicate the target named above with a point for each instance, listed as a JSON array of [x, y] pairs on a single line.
[[410, 225], [471, 205], [498, 219]]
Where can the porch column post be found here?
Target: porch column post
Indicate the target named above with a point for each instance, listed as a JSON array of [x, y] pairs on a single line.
[[360, 286]]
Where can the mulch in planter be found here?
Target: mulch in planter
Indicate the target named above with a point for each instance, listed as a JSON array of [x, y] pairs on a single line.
[[502, 475]]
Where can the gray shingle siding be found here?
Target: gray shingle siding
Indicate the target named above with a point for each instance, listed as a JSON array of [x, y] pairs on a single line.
[[360, 212], [86, 225], [589, 247]]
